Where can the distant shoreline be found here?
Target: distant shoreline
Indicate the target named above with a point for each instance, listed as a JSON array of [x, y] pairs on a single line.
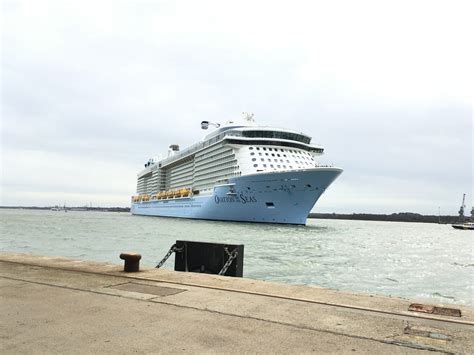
[[394, 217], [95, 209]]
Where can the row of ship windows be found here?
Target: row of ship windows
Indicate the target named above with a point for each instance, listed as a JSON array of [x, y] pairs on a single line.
[[300, 155], [282, 161], [284, 166], [277, 150], [284, 155], [273, 166]]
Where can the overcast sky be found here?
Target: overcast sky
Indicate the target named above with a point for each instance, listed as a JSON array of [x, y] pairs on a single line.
[[92, 89]]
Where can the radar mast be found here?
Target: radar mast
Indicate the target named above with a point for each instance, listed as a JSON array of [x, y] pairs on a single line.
[[248, 117]]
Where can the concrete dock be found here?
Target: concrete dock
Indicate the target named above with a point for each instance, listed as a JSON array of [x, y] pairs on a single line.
[[58, 305]]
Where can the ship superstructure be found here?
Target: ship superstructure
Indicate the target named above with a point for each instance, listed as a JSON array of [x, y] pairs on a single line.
[[238, 172]]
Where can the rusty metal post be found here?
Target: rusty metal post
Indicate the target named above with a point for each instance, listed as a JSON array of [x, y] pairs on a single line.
[[132, 262]]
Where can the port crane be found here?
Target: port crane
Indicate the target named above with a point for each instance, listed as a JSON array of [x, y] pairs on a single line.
[[463, 206]]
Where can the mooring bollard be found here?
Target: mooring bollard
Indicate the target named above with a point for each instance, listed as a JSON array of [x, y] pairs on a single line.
[[132, 262]]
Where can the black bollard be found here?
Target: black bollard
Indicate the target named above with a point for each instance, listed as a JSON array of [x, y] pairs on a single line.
[[132, 262]]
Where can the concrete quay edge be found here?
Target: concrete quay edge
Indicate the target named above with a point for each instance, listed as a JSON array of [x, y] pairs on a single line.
[[303, 293], [309, 319]]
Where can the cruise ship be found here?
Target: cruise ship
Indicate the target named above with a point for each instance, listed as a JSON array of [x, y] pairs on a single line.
[[238, 172]]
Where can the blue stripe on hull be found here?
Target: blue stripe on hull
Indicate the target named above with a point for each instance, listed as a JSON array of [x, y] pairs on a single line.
[[284, 197]]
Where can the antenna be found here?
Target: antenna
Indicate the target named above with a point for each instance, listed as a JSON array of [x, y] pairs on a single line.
[[248, 117]]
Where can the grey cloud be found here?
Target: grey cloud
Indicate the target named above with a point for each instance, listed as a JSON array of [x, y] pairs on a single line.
[[121, 83]]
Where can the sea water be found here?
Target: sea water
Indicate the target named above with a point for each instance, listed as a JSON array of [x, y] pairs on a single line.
[[411, 260]]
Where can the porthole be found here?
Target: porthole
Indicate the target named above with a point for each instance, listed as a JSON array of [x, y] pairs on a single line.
[[266, 154], [262, 159], [258, 148], [273, 154], [284, 166], [278, 155], [278, 166], [264, 165], [250, 148], [252, 153], [269, 159], [255, 165], [253, 159], [259, 153], [264, 148], [271, 165]]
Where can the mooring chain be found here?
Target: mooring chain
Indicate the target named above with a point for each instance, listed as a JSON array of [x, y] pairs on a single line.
[[172, 250], [232, 256]]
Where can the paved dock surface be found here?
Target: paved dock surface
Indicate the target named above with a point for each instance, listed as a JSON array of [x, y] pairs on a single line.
[[57, 305]]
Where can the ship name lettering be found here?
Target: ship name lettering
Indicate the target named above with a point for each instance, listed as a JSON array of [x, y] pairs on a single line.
[[247, 199], [243, 199]]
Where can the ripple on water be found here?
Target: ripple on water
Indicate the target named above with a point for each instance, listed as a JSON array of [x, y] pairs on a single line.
[[402, 259]]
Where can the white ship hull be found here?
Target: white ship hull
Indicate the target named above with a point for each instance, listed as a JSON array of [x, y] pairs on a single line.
[[278, 197]]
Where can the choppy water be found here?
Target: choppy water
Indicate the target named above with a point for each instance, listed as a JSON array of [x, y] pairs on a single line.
[[410, 260]]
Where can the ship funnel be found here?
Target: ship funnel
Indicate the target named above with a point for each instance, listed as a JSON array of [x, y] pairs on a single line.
[[206, 124]]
